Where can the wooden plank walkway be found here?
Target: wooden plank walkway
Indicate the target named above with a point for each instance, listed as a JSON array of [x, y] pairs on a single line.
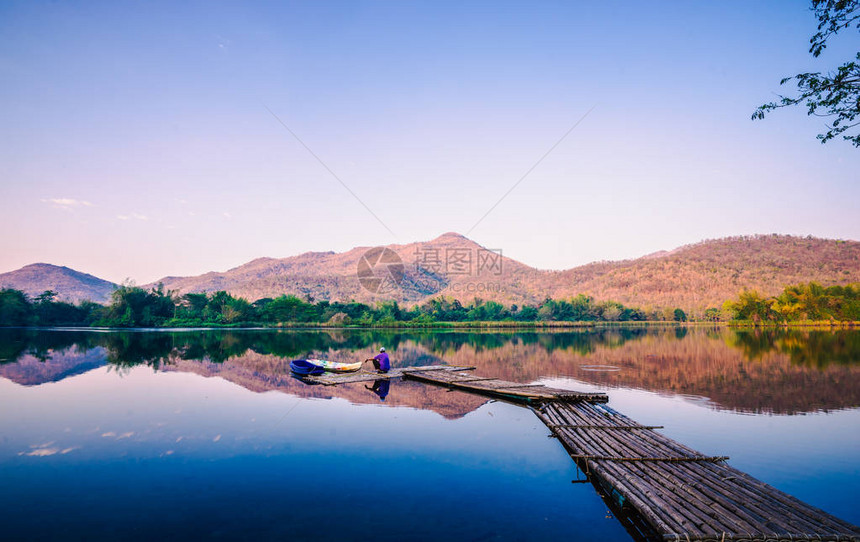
[[502, 389], [682, 494], [333, 379], [674, 492]]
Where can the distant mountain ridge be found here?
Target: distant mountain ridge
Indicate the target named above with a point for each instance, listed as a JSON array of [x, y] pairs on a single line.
[[692, 277], [428, 269], [70, 285], [701, 275]]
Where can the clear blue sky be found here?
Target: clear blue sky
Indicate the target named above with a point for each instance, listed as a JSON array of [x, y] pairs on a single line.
[[135, 139]]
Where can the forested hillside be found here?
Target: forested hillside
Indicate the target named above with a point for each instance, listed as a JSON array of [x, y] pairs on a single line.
[[704, 275], [693, 278]]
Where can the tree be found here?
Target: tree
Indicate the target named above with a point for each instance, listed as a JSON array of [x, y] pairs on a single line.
[[750, 305], [133, 306], [527, 314], [835, 94], [713, 314], [54, 313], [48, 296], [193, 306], [289, 308], [612, 312], [679, 315], [15, 308]]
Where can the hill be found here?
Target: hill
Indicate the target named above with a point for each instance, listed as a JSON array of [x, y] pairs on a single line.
[[696, 277], [693, 277], [449, 265], [72, 286]]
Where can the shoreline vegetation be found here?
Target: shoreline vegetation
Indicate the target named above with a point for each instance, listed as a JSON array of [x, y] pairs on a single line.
[[807, 305], [545, 327]]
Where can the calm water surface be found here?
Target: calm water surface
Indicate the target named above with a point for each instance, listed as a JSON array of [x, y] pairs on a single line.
[[172, 435]]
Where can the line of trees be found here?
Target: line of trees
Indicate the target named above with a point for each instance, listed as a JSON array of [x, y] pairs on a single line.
[[132, 306], [16, 309], [802, 302]]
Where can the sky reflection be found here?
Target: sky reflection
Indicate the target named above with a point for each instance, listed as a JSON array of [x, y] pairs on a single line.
[[121, 436], [188, 443]]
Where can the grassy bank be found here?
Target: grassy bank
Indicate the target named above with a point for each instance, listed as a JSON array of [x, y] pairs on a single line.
[[820, 324]]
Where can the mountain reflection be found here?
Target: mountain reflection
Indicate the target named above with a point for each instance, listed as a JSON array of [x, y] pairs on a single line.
[[779, 371]]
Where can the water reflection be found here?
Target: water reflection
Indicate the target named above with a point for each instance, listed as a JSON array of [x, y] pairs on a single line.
[[814, 348], [381, 388], [778, 371], [107, 451]]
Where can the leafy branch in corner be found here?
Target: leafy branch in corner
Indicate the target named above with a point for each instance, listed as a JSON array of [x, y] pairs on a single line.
[[835, 94]]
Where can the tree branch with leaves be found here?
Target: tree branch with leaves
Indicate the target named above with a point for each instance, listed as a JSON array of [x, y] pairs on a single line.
[[835, 94]]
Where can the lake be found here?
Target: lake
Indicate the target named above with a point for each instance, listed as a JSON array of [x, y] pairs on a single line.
[[171, 435]]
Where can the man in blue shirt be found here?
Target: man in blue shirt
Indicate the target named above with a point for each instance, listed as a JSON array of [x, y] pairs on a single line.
[[380, 361]]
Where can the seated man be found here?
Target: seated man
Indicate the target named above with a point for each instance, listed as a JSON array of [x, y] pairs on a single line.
[[380, 361]]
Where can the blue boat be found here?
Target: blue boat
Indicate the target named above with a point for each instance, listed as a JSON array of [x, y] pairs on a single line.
[[305, 367]]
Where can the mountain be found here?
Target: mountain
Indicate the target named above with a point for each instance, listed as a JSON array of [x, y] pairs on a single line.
[[702, 275], [693, 277], [450, 265], [71, 285]]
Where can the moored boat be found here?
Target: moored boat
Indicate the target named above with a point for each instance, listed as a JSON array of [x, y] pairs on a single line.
[[317, 366], [305, 367]]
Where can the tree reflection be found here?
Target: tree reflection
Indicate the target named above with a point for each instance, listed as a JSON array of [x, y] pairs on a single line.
[[812, 348], [15, 343], [774, 370]]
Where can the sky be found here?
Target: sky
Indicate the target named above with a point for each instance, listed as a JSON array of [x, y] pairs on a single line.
[[141, 140]]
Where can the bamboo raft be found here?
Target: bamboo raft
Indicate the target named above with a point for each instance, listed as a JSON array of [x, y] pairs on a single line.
[[680, 493], [659, 488], [502, 389], [334, 379]]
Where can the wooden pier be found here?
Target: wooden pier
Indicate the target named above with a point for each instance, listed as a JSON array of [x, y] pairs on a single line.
[[682, 494], [334, 379], [501, 389], [666, 490]]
